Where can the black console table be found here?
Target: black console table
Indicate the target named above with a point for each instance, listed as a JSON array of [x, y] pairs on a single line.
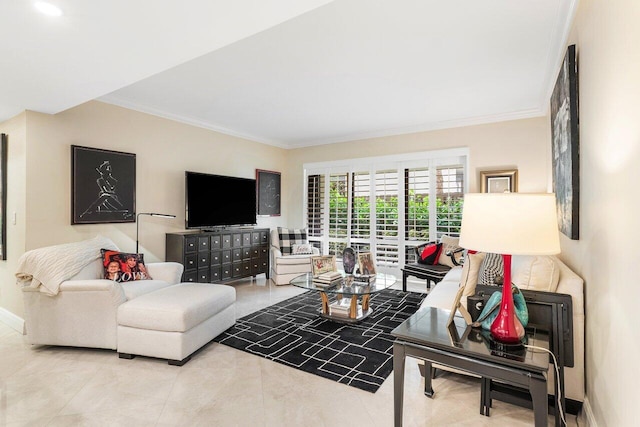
[[220, 256], [425, 335]]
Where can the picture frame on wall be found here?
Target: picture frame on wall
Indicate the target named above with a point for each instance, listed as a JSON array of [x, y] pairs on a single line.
[[268, 185], [103, 186], [565, 140], [3, 196], [500, 181]]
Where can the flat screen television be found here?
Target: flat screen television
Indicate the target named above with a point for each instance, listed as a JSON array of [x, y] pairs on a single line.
[[217, 201]]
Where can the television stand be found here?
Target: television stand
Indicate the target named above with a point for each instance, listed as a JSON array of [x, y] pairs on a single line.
[[219, 256]]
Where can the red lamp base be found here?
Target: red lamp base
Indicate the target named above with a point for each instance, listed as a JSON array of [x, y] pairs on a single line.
[[506, 328]]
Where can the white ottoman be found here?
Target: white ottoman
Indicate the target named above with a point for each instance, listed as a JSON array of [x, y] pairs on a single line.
[[173, 322]]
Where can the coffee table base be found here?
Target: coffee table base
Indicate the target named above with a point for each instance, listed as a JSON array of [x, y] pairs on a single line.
[[357, 311], [343, 319]]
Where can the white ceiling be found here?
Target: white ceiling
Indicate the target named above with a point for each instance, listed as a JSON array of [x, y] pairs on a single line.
[[290, 73]]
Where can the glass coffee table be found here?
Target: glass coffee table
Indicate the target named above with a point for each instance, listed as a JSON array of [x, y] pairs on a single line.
[[351, 303]]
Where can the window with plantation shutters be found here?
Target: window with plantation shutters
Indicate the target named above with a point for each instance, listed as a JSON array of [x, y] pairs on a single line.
[[385, 205], [386, 208], [338, 206], [361, 205], [315, 205], [417, 204], [449, 198], [337, 217], [387, 195]]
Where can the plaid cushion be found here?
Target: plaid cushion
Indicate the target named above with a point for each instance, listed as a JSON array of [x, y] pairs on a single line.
[[291, 236]]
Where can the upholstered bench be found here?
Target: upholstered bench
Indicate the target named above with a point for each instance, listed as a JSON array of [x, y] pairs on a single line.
[[173, 322]]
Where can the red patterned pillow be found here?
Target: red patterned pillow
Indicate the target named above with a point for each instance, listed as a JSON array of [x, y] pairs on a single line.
[[123, 267], [430, 253]]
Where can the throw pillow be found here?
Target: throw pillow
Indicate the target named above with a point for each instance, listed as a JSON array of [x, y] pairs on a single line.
[[492, 270], [536, 272], [449, 245], [469, 277], [291, 236], [123, 267], [303, 249], [430, 253]]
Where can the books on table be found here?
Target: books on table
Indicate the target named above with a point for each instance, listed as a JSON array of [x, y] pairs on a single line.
[[329, 275], [364, 278], [341, 307], [328, 279]]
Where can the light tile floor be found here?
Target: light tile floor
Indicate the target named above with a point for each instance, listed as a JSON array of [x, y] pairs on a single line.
[[220, 386]]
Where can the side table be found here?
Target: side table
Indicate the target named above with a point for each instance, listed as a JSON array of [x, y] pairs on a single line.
[[425, 335]]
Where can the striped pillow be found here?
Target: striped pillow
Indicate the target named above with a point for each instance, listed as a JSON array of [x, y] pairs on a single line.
[[291, 236], [491, 270]]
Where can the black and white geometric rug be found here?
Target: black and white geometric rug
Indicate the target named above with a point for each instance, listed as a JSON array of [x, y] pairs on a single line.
[[292, 333]]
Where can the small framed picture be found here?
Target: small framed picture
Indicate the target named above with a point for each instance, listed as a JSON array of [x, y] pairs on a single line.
[[366, 265], [268, 186], [322, 264], [504, 181]]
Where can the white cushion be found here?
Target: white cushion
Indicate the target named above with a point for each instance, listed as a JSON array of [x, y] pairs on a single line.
[[302, 249], [441, 295], [453, 275], [470, 270], [449, 244], [176, 308], [294, 260], [93, 270], [537, 272], [136, 288]]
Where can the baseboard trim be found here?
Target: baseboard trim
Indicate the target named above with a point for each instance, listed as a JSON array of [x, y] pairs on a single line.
[[588, 413], [11, 320]]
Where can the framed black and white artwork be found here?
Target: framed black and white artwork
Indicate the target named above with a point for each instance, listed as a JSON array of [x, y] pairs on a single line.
[[268, 183], [565, 145], [103, 186]]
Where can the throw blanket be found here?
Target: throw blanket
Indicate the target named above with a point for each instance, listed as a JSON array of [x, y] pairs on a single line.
[[48, 267]]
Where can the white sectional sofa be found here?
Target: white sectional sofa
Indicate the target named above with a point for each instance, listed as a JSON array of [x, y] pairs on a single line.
[[160, 317], [443, 294], [84, 312]]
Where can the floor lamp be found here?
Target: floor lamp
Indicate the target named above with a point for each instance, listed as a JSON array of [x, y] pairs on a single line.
[[509, 224], [149, 214]]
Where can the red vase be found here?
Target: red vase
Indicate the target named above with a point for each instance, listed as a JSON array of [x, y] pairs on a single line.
[[506, 328]]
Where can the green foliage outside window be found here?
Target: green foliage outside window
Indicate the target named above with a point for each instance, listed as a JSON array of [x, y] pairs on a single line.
[[449, 215]]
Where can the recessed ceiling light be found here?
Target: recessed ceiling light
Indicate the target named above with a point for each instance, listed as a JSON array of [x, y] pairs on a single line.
[[48, 8]]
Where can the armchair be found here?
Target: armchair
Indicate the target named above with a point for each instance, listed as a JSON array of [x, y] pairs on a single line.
[[285, 266]]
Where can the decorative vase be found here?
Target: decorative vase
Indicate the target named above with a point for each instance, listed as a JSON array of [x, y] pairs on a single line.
[[506, 328]]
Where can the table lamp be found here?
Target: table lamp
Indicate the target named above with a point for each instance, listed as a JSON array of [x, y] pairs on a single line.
[[149, 214], [509, 224]]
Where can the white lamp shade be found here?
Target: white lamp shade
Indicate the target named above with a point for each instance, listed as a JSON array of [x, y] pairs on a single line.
[[510, 223]]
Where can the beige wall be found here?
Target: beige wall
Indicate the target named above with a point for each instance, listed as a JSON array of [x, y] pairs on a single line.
[[521, 144], [606, 35], [164, 150], [10, 297]]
